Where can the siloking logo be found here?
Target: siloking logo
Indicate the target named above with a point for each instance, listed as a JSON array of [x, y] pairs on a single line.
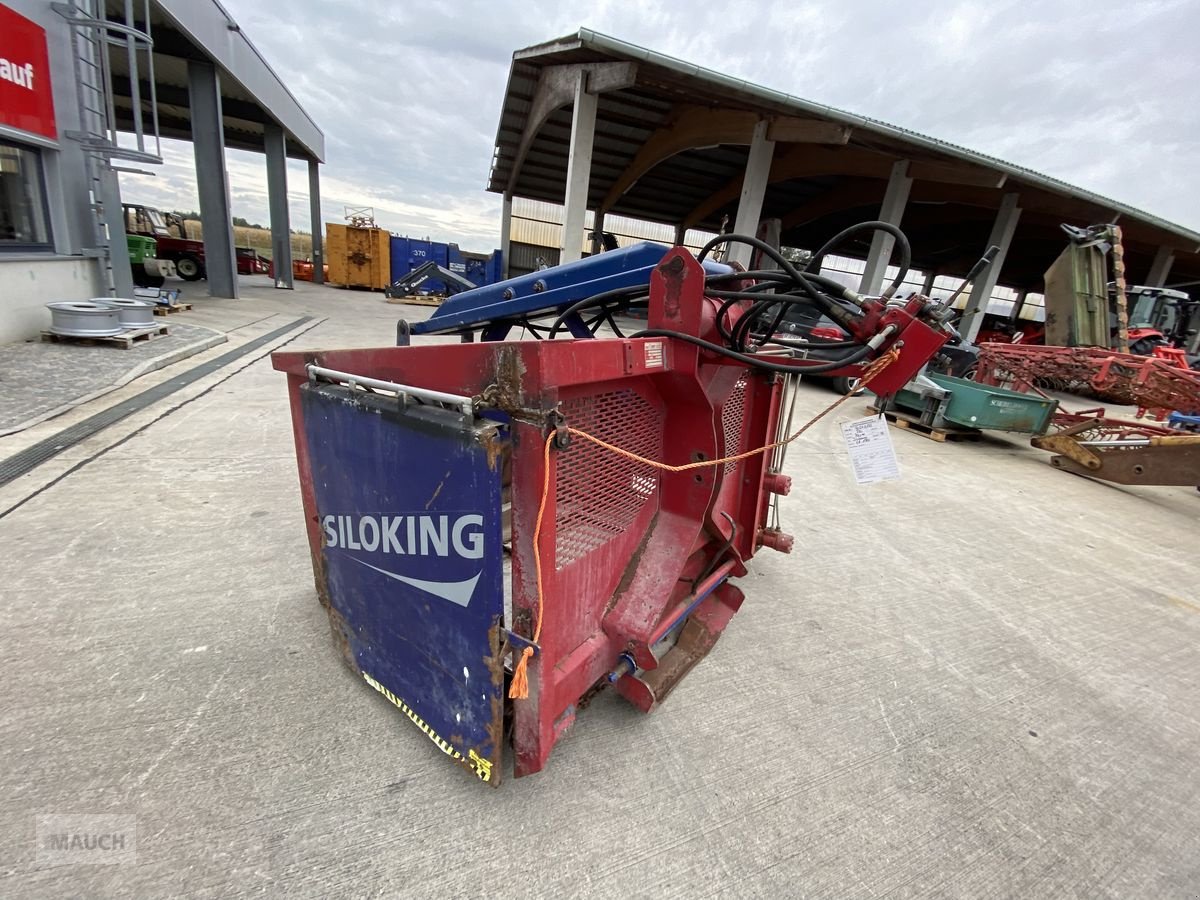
[[411, 537]]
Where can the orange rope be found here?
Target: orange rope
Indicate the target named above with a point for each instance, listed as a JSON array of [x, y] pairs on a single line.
[[519, 689]]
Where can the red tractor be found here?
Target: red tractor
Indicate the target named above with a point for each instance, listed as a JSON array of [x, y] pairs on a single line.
[[1161, 317], [168, 231]]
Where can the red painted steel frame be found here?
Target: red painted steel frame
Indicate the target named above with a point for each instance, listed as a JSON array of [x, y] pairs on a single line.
[[620, 592], [629, 553]]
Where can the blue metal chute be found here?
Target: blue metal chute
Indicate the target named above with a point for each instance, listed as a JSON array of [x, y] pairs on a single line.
[[547, 291], [497, 307]]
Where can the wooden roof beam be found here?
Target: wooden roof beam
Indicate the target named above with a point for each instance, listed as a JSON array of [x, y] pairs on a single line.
[[697, 127], [805, 161], [556, 89]]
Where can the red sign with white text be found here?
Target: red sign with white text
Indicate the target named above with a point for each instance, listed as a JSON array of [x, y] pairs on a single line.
[[26, 100]]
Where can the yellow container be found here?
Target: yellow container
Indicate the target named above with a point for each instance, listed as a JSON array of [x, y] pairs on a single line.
[[358, 257]]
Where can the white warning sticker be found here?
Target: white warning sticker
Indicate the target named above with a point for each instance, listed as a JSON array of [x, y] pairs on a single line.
[[872, 455], [654, 354]]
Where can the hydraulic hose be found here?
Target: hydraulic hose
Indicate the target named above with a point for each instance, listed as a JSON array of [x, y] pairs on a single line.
[[630, 293], [768, 298], [834, 311], [901, 242], [751, 360]]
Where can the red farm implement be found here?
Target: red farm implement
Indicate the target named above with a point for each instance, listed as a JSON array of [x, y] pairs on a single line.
[[1148, 382], [500, 529]]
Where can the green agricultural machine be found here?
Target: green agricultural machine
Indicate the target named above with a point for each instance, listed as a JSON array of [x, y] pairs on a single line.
[[148, 269]]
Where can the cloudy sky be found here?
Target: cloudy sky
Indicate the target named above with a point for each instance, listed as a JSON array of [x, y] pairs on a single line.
[[1098, 93]]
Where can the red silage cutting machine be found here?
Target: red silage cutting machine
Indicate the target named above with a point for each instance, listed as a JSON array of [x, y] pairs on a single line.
[[619, 475]]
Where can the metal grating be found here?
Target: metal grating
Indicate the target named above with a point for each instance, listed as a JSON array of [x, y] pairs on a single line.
[[600, 493], [733, 415], [30, 458]]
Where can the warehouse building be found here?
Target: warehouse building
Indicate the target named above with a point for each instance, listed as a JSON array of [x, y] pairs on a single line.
[[87, 90]]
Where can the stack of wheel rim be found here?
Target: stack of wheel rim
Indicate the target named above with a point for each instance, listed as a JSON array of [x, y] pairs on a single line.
[[99, 317]]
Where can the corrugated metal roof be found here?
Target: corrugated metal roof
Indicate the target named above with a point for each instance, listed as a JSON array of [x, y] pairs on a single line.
[[633, 52]]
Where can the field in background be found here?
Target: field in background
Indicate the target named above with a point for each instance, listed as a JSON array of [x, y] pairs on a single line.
[[258, 238]]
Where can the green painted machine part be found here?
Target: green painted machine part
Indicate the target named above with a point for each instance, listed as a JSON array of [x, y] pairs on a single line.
[[148, 270], [965, 404], [1077, 289]]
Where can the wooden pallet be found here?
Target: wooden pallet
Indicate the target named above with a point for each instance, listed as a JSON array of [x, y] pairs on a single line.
[[418, 300], [125, 340], [911, 423], [165, 309]]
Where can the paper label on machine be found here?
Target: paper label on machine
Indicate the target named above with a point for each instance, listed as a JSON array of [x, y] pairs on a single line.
[[869, 445]]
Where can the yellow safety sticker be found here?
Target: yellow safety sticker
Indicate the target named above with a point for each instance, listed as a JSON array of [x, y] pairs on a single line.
[[480, 766]]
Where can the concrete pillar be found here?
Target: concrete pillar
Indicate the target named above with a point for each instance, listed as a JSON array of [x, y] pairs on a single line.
[[754, 188], [275, 143], [981, 290], [769, 231], [318, 226], [1160, 268], [895, 198], [212, 180], [927, 287], [114, 224], [579, 170], [598, 232], [1018, 305], [505, 234]]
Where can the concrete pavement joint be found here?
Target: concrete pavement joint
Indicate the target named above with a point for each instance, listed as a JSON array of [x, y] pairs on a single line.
[[151, 365], [311, 323]]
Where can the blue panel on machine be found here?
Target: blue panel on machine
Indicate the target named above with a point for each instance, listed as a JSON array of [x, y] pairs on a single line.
[[548, 290], [413, 566]]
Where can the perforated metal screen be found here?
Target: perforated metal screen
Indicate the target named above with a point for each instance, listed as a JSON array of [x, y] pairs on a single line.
[[600, 493]]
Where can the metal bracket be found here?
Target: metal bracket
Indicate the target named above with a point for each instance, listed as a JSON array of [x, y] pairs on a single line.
[[517, 644], [404, 391], [558, 424]]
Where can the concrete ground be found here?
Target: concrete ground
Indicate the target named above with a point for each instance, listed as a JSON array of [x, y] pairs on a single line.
[[39, 380], [981, 680]]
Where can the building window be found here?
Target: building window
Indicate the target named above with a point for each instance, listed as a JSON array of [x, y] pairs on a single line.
[[22, 199]]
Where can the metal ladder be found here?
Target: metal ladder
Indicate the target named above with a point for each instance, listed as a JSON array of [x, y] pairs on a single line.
[[92, 36]]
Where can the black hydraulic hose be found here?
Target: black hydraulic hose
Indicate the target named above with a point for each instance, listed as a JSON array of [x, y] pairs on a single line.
[[750, 360], [752, 275], [812, 344], [607, 316], [765, 277], [835, 312], [597, 300], [737, 336], [757, 295], [901, 242], [807, 288], [724, 308], [775, 322], [756, 244], [771, 329]]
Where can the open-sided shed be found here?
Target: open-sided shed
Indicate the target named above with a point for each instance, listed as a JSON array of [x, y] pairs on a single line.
[[599, 124]]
